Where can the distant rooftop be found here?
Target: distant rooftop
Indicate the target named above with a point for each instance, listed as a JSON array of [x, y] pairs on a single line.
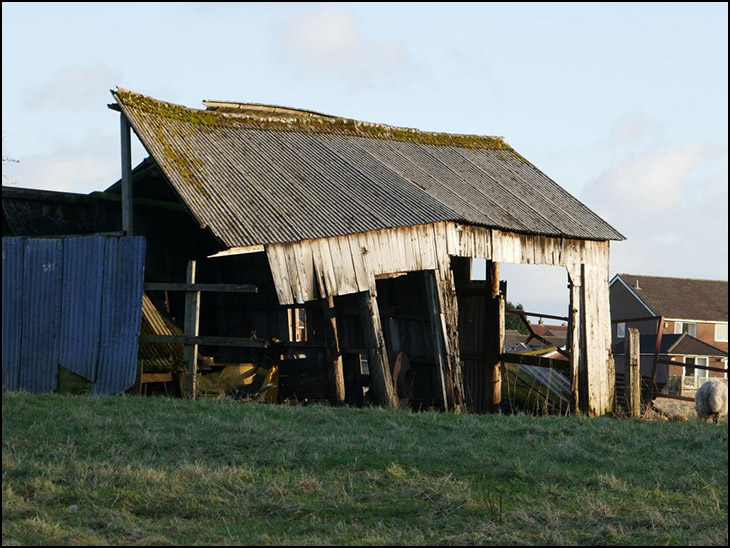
[[681, 298]]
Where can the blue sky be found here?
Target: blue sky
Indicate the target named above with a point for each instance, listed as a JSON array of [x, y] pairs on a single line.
[[624, 105]]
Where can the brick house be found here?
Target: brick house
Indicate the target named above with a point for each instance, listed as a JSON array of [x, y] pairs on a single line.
[[693, 318]]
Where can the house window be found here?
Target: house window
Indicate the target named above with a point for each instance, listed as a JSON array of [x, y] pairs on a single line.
[[721, 332], [620, 330], [685, 327]]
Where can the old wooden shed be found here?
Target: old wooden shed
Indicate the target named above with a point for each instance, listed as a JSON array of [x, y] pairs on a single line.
[[373, 226]]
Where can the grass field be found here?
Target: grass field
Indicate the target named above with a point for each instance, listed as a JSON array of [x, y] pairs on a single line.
[[128, 470]]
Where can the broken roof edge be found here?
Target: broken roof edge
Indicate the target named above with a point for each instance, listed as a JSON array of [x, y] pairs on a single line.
[[227, 114]]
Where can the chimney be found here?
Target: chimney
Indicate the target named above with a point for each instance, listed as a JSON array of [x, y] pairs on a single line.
[[637, 284]]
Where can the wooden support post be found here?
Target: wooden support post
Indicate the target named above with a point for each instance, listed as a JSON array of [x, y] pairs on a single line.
[[633, 371], [192, 316], [335, 374], [574, 342], [127, 210], [381, 380], [495, 338], [583, 363]]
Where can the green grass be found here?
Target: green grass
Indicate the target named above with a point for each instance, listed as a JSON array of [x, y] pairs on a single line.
[[127, 470]]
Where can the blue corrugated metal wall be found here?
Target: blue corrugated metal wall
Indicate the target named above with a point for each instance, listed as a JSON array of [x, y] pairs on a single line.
[[75, 302]]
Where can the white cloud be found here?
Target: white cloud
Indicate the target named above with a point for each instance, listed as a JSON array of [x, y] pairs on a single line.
[[671, 204], [653, 181], [330, 42], [75, 87], [631, 127]]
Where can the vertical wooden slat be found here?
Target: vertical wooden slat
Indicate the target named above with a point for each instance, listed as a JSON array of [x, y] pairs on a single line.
[[633, 371], [444, 313], [381, 380], [192, 316], [437, 335]]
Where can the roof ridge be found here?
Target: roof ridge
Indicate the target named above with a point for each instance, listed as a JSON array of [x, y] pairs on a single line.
[[310, 121], [670, 277]]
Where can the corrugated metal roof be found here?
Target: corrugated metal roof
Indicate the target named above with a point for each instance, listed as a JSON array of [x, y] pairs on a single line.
[[73, 302], [262, 180]]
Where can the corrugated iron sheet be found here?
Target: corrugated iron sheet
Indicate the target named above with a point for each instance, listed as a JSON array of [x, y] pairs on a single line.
[[255, 181], [74, 302], [83, 273], [41, 316], [12, 310], [120, 315]]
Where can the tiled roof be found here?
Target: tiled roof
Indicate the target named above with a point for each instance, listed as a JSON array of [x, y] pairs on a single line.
[[672, 345], [258, 175], [681, 298]]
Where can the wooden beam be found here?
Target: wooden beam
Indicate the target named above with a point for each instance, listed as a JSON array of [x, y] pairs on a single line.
[[238, 251], [538, 361], [230, 288], [192, 324], [127, 206], [381, 380], [335, 372], [633, 371], [208, 340]]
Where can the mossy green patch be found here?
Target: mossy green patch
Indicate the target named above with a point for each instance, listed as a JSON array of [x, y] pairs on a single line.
[[228, 118]]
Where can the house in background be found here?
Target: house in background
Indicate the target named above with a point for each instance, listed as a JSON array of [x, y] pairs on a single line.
[[692, 316]]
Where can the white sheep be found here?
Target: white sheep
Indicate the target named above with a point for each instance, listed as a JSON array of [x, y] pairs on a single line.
[[711, 399]]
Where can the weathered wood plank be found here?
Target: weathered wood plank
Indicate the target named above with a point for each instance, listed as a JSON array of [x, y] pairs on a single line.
[[381, 380], [285, 287]]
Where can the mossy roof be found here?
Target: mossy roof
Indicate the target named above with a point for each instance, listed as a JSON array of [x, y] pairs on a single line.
[[260, 174]]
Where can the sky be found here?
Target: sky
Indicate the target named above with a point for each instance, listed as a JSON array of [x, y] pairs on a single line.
[[623, 105]]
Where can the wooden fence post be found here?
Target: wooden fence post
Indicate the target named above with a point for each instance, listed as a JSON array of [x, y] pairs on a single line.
[[192, 317], [633, 370], [335, 372]]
